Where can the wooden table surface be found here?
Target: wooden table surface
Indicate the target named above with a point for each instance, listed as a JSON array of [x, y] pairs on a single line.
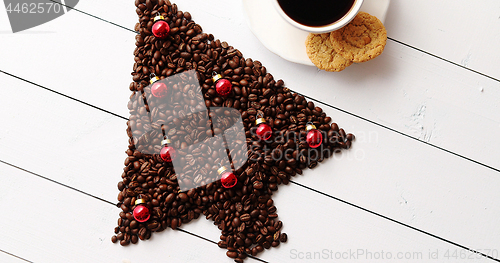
[[420, 184]]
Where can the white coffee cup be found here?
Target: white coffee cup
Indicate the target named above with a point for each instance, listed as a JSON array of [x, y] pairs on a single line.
[[326, 28]]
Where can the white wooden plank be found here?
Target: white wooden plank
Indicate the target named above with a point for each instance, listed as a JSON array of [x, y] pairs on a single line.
[[460, 31], [62, 139], [124, 15], [50, 223], [323, 225], [384, 171], [403, 89], [60, 225], [76, 55], [412, 183]]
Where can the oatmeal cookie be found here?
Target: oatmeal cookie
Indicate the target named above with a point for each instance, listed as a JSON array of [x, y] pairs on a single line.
[[363, 39], [321, 53]]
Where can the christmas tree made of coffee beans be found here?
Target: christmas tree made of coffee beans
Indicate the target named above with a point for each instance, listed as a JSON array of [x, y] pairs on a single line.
[[211, 133]]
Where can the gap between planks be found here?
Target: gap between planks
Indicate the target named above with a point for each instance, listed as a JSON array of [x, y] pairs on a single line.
[[8, 256]]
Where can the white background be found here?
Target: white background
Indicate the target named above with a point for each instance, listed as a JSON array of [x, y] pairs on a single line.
[[423, 175]]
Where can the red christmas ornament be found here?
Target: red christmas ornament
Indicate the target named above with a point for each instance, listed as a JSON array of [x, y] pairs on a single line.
[[141, 212], [158, 89], [228, 179], [264, 131], [160, 27], [222, 86], [314, 137], [167, 153]]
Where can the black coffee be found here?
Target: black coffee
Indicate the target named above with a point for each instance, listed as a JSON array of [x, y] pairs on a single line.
[[316, 12]]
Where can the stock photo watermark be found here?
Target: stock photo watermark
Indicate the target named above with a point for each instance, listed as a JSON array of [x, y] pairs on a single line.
[[298, 151], [26, 14], [450, 255]]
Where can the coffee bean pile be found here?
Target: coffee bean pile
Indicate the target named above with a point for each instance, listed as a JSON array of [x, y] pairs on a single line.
[[192, 116]]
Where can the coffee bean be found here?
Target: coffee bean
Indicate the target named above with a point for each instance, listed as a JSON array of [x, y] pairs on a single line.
[[184, 197], [259, 239], [174, 30], [191, 32], [152, 225], [241, 228], [239, 207], [174, 223], [124, 243], [266, 245], [342, 134], [283, 237], [232, 254], [251, 111], [258, 185], [170, 198], [334, 127], [342, 145], [245, 217], [186, 55], [134, 239], [236, 222], [278, 225], [312, 164], [255, 213], [222, 244]]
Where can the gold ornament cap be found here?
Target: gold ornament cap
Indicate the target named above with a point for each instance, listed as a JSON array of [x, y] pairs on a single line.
[[166, 141], [140, 201], [259, 121], [158, 17], [310, 126], [154, 79], [216, 77], [222, 170]]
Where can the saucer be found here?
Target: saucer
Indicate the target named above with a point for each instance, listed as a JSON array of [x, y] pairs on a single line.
[[285, 40]]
